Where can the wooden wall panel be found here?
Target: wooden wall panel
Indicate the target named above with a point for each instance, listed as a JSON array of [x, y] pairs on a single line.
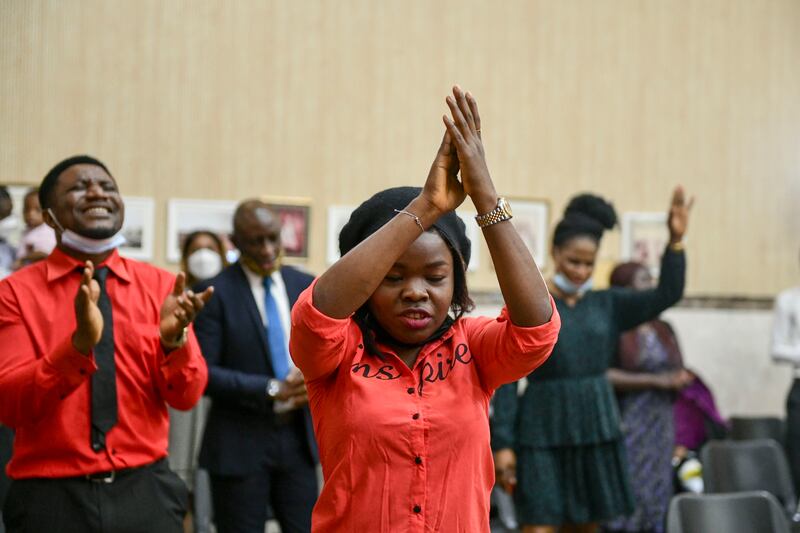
[[335, 100]]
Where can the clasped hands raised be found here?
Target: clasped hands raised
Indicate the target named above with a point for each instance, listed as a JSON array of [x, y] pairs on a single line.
[[179, 309], [461, 150]]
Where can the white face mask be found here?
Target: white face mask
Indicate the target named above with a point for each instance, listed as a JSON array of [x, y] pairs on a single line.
[[204, 264], [87, 245], [568, 287]]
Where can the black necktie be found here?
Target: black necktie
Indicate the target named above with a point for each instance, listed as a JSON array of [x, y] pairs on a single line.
[[104, 381]]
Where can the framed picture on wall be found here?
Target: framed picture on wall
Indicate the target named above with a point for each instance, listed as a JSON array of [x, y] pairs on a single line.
[[15, 224], [185, 216], [338, 215], [295, 216], [138, 228], [531, 218], [644, 236]]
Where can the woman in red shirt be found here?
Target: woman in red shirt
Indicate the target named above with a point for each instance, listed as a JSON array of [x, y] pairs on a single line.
[[398, 380]]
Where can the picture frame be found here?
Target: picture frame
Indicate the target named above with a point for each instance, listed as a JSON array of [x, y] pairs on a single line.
[[644, 237], [338, 215], [187, 215], [138, 228], [531, 218], [295, 217], [17, 192]]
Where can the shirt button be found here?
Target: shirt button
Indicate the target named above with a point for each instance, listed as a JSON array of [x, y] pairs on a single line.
[[410, 390], [415, 416], [417, 509], [97, 447], [82, 372], [418, 460]]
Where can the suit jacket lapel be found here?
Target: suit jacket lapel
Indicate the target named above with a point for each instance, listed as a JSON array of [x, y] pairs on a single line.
[[293, 289], [246, 296]]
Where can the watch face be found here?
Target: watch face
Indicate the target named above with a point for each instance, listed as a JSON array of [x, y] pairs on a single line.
[[505, 206]]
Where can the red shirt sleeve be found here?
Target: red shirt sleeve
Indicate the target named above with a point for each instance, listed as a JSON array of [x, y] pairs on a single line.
[[183, 373], [318, 342], [32, 385], [505, 352]]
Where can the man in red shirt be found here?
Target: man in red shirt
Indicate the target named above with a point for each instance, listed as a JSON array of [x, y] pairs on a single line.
[[94, 348]]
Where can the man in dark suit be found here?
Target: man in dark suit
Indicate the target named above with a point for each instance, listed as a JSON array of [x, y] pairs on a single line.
[[258, 444]]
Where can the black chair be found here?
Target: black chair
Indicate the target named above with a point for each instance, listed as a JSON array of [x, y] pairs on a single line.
[[765, 427], [739, 512], [736, 466]]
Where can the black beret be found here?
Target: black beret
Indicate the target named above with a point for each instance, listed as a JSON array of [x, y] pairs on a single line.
[[371, 215]]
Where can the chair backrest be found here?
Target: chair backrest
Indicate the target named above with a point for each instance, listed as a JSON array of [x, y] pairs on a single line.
[[735, 466], [739, 512], [765, 427]]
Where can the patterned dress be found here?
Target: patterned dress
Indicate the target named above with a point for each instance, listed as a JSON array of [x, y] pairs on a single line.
[[647, 425]]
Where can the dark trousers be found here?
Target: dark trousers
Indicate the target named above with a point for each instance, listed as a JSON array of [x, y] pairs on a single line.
[[150, 499], [793, 431], [287, 481]]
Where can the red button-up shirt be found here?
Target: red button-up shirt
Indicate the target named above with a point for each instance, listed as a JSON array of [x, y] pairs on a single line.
[[44, 381], [407, 450]]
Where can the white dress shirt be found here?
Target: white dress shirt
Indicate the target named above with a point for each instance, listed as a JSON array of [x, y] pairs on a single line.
[[786, 328], [278, 292]]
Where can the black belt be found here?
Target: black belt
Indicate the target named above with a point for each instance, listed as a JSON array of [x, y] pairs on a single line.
[[111, 475]]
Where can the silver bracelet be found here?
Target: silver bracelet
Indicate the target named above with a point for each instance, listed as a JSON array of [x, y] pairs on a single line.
[[412, 215]]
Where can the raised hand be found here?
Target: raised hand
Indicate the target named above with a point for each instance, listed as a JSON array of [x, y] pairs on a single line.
[[442, 189], [180, 308], [678, 216], [465, 129], [88, 317]]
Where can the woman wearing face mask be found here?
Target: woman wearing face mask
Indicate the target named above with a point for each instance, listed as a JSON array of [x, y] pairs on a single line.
[[202, 258], [562, 438]]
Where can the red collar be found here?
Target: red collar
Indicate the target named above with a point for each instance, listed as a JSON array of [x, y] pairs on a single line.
[[60, 264]]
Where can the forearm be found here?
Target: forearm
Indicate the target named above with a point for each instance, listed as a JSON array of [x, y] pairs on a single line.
[[31, 388], [234, 385], [625, 381], [672, 279], [345, 286], [184, 375], [523, 288], [786, 353]]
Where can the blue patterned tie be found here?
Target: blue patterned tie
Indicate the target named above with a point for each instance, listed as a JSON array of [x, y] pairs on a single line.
[[276, 339]]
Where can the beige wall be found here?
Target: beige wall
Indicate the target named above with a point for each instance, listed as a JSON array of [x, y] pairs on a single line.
[[334, 100]]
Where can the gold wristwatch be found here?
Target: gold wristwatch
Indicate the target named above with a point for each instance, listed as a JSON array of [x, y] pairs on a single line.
[[177, 343], [498, 214]]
